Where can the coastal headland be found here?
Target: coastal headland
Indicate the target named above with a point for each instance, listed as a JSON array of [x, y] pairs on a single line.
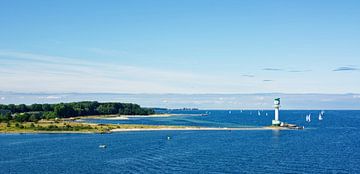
[[203, 129], [72, 118], [67, 126]]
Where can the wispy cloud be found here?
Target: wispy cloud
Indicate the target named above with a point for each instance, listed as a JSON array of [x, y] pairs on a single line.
[[285, 70], [272, 69], [298, 71], [54, 73], [33, 72], [248, 75], [64, 74], [346, 68]]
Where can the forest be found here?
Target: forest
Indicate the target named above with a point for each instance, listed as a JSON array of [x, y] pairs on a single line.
[[35, 112]]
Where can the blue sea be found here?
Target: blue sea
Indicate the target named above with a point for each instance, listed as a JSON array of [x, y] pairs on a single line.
[[328, 146]]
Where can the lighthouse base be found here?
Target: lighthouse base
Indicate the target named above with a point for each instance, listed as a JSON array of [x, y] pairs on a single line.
[[276, 122]]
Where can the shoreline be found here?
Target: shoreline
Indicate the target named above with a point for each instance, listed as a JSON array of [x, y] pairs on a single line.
[[51, 132], [151, 129], [203, 129], [123, 117], [126, 117]]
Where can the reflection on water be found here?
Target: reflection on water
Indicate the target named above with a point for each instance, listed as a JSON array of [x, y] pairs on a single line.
[[276, 134]]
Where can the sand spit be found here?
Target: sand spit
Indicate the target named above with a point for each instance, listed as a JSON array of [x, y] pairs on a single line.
[[202, 129]]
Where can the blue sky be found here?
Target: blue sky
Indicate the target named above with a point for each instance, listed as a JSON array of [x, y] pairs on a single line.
[[185, 46]]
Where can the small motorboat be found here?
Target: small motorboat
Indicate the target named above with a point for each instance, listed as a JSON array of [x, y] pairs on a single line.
[[102, 146]]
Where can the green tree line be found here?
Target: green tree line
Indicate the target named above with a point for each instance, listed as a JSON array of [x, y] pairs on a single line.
[[34, 112]]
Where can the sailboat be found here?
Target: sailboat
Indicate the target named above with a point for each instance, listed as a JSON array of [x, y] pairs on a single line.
[[229, 112], [308, 118], [320, 115], [266, 114], [259, 113]]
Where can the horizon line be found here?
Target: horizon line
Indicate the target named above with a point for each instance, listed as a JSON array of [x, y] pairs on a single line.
[[165, 93]]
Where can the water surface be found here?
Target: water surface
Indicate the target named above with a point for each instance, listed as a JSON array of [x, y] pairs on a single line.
[[328, 146]]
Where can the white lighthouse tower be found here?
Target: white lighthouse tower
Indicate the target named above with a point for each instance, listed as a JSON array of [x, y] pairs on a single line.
[[276, 121]]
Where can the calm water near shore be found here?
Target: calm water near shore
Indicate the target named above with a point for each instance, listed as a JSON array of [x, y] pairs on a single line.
[[328, 146]]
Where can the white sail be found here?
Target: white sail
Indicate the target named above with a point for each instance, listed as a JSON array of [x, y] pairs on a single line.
[[308, 118], [320, 115]]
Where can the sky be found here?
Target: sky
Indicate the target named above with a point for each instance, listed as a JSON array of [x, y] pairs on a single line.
[[187, 46], [201, 101]]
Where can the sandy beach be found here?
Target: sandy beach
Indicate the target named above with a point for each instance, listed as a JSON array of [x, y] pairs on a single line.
[[160, 115], [126, 117]]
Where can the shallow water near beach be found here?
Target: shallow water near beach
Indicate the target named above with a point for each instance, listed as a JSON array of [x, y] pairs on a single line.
[[328, 146]]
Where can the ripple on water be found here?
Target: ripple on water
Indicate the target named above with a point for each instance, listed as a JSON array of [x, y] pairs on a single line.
[[331, 146]]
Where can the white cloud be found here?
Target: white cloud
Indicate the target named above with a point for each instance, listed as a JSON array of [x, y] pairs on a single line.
[[29, 72], [44, 73]]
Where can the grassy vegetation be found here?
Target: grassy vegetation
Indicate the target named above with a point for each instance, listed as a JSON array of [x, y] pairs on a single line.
[[61, 117], [59, 126]]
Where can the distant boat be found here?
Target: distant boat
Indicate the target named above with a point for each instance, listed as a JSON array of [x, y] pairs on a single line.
[[168, 138], [102, 146], [229, 112], [266, 114], [321, 115], [308, 118], [259, 113]]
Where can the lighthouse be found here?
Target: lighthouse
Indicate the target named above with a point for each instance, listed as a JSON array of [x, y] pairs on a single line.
[[276, 121]]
